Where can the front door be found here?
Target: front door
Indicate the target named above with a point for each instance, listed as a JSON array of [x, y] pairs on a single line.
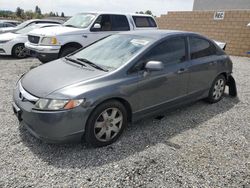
[[156, 88]]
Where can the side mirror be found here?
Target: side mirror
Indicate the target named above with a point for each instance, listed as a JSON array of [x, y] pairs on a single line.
[[97, 26], [154, 66]]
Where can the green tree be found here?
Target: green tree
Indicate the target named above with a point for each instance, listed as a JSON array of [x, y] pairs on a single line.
[[38, 10], [52, 14], [29, 14], [149, 12], [19, 12], [62, 14]]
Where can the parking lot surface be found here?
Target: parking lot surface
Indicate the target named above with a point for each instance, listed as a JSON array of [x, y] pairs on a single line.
[[199, 145]]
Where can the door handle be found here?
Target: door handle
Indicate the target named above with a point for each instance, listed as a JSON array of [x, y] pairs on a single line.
[[182, 70], [212, 63]]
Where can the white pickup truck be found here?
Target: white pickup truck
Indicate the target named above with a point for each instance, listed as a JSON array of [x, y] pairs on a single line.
[[82, 30]]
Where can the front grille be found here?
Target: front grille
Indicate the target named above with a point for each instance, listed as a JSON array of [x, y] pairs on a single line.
[[33, 39], [25, 96]]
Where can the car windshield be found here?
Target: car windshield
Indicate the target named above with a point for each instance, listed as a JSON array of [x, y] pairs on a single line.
[[22, 25], [114, 51], [80, 20], [27, 29]]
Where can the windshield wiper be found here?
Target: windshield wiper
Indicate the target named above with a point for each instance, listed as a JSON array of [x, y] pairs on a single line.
[[75, 61], [69, 25], [92, 64]]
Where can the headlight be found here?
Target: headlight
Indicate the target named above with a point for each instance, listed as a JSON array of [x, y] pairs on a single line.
[[4, 41], [53, 104], [49, 40]]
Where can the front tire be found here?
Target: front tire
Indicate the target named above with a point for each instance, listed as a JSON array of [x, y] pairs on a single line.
[[19, 51], [106, 124], [67, 50], [216, 92]]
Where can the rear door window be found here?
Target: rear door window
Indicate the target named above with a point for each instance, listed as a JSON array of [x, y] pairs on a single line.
[[200, 47], [144, 21], [119, 23]]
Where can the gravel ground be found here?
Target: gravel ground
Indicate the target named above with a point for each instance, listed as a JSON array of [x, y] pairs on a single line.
[[200, 145]]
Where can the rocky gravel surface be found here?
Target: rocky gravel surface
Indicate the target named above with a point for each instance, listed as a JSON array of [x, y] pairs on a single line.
[[200, 145]]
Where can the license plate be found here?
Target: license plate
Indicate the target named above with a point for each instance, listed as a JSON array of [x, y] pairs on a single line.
[[17, 111]]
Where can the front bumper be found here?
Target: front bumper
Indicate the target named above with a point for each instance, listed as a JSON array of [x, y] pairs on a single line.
[[43, 49], [4, 50], [44, 53], [51, 126]]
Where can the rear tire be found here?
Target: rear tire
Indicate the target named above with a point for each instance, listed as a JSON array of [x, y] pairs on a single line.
[[106, 124], [216, 92], [66, 51], [19, 51]]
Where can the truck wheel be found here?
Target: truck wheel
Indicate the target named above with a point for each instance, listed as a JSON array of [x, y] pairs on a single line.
[[19, 51], [67, 51]]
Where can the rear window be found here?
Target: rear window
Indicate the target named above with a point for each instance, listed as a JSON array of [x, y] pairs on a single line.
[[144, 21]]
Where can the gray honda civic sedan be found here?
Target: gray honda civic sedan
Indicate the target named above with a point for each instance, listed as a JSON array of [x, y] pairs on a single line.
[[95, 92]]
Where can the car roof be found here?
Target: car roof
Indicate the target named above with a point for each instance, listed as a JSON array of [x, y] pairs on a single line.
[[47, 24], [43, 20], [157, 34], [116, 13]]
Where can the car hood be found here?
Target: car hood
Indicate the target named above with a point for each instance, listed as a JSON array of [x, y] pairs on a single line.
[[8, 36], [50, 77], [57, 30]]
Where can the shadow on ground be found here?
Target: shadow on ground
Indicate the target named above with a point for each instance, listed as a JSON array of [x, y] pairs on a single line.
[[137, 137], [7, 57]]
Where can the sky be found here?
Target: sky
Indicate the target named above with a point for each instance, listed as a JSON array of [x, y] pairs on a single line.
[[71, 7]]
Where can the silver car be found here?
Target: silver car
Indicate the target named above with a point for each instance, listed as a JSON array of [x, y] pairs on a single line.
[[95, 92]]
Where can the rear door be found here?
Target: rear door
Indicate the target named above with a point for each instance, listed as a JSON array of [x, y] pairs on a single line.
[[203, 61]]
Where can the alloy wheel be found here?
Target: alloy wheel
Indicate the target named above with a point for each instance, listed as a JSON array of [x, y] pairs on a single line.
[[219, 88], [108, 124], [20, 51]]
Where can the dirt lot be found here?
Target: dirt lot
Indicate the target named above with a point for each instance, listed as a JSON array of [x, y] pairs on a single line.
[[200, 145]]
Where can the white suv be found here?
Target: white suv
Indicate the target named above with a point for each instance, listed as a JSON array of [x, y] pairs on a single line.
[[81, 30]]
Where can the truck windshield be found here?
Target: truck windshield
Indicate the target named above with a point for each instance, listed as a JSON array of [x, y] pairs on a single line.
[[80, 20], [114, 51]]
